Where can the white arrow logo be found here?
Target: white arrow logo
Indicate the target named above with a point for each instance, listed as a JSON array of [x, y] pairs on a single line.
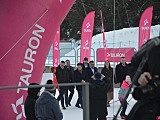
[[88, 25], [86, 43], [56, 43], [145, 22]]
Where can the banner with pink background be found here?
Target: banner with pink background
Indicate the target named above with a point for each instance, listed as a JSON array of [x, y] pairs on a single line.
[[145, 26], [28, 28], [56, 46], [86, 36]]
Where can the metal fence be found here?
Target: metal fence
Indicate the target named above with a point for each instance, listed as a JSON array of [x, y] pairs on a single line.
[[85, 89]]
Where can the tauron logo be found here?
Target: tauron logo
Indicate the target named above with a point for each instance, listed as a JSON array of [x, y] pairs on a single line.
[[88, 25], [145, 22]]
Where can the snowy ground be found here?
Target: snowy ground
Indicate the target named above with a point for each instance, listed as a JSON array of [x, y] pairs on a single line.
[[73, 113]]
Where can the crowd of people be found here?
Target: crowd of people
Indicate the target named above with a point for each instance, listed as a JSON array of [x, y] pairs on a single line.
[[101, 90]]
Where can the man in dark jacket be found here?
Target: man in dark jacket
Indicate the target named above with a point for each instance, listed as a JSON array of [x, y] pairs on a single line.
[[148, 105], [62, 77], [98, 98], [121, 71], [90, 71], [30, 102], [71, 80], [47, 106], [79, 75], [85, 63]]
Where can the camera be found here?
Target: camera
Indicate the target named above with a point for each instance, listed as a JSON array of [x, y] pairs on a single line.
[[148, 91]]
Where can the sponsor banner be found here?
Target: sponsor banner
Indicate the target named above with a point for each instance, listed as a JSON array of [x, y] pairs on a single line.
[[103, 34], [86, 36], [104, 37], [28, 28], [145, 26], [114, 54], [56, 46]]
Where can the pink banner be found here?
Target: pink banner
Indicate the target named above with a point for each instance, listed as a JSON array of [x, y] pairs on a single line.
[[27, 31], [103, 34], [56, 45], [86, 36], [145, 26], [114, 54], [104, 37]]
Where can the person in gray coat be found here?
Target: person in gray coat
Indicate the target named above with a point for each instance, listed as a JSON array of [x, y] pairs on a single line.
[[47, 106]]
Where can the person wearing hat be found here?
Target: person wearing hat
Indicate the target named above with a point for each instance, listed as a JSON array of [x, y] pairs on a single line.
[[47, 106], [52, 90], [85, 63], [98, 97], [29, 106]]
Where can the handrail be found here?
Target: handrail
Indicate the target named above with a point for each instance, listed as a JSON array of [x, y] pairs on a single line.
[[85, 89], [47, 85]]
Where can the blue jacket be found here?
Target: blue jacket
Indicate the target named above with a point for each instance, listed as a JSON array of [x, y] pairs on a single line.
[[47, 107]]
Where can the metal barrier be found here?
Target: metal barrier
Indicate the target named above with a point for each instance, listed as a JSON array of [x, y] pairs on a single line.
[[69, 56], [85, 89], [92, 56]]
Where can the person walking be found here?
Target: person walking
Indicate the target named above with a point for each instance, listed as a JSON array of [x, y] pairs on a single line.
[[122, 93], [79, 75], [62, 77], [121, 71], [71, 80], [47, 106], [107, 71], [29, 105], [98, 97]]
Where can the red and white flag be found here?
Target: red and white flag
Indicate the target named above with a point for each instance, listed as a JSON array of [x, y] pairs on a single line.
[[104, 37], [56, 46], [86, 36], [145, 26], [27, 29]]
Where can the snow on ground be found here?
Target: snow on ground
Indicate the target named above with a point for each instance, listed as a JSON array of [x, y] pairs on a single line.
[[126, 37], [73, 113]]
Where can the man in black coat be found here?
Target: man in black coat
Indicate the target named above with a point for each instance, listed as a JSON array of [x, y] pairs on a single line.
[[30, 102], [62, 77], [90, 71], [98, 98], [71, 80], [121, 71], [79, 75]]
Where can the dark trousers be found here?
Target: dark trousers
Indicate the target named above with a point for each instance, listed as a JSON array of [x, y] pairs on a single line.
[[124, 107], [61, 97], [68, 99], [79, 100]]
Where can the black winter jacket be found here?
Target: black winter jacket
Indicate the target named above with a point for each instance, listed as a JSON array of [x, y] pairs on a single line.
[[78, 77], [108, 73], [89, 74], [62, 75], [70, 70], [30, 102], [98, 98], [121, 73]]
